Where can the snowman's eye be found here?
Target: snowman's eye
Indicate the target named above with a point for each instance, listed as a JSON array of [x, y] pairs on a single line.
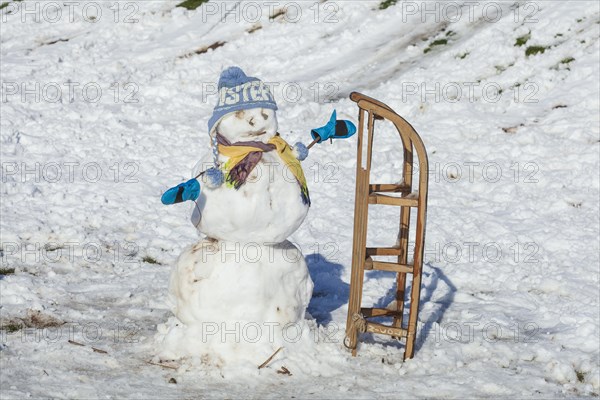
[[264, 114]]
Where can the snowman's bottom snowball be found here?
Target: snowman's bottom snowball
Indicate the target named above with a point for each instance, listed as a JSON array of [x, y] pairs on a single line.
[[236, 303]]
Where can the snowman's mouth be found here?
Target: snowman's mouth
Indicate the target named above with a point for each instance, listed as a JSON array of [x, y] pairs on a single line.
[[260, 133]]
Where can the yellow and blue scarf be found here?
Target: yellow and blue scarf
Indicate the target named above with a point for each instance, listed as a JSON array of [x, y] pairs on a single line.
[[243, 157]]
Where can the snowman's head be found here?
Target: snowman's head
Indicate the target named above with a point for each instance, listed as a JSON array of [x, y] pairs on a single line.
[[254, 124], [245, 109]]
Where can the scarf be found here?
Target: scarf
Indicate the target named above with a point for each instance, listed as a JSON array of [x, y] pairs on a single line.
[[243, 157]]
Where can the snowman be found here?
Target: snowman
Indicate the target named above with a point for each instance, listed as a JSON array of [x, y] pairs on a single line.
[[241, 292]]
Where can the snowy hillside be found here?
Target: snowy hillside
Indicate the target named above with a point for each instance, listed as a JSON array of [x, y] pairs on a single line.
[[105, 105]]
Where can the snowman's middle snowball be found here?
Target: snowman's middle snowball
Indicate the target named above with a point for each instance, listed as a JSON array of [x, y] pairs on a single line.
[[268, 207]]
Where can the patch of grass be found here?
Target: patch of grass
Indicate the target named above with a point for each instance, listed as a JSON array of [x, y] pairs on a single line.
[[521, 40], [5, 4], [439, 42], [450, 33], [533, 50], [7, 271], [463, 55], [567, 60], [11, 327], [192, 4], [580, 376], [387, 3], [150, 260], [204, 49], [502, 68], [558, 35]]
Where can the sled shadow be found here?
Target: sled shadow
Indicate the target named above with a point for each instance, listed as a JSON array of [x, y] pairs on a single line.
[[431, 279], [330, 291], [443, 302]]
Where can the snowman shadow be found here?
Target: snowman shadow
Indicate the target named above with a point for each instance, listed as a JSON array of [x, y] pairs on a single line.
[[330, 291]]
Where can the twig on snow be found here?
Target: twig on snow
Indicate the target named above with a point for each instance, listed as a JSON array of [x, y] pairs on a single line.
[[161, 365], [99, 351], [269, 359]]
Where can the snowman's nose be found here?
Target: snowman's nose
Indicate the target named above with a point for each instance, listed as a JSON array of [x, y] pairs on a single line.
[[251, 121]]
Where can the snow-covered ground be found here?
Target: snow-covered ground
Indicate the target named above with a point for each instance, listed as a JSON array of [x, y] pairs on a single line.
[[100, 115]]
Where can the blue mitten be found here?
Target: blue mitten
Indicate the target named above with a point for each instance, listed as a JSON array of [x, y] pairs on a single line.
[[189, 190], [334, 129]]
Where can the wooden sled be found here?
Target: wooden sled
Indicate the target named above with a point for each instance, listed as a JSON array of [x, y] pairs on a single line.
[[402, 195]]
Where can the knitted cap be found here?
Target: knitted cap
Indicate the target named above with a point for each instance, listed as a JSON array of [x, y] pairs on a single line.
[[239, 92]]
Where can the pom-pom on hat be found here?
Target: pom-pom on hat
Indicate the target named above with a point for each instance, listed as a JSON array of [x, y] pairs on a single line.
[[237, 91]]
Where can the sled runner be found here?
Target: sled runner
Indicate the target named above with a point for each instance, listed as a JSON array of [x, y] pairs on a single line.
[[404, 195]]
